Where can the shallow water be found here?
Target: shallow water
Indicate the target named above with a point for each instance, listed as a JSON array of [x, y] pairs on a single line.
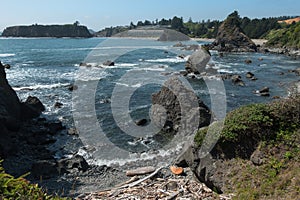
[[45, 67]]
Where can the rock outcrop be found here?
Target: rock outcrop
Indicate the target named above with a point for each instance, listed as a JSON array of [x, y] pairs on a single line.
[[70, 30], [197, 62], [10, 106], [12, 113], [230, 37], [176, 108]]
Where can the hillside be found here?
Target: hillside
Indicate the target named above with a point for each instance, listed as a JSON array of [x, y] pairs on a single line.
[[285, 37], [69, 30], [290, 21]]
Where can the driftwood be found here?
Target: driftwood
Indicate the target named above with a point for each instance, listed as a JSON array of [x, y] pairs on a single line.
[[143, 179], [140, 171]]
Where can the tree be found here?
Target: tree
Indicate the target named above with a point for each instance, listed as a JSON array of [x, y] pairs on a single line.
[[140, 23], [177, 23], [76, 23], [132, 26], [147, 23], [164, 22]]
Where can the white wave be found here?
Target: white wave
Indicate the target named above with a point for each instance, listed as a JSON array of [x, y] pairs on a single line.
[[126, 64], [127, 85], [168, 60], [164, 154], [3, 55], [36, 87]]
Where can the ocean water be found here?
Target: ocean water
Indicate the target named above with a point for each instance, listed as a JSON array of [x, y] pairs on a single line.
[[109, 98]]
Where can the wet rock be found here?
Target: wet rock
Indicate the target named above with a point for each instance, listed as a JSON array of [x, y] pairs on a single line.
[[85, 65], [72, 87], [7, 66], [109, 63], [193, 47], [260, 59], [183, 73], [72, 131], [32, 108], [44, 169], [179, 44], [253, 78], [249, 75], [58, 105], [296, 71], [141, 122], [197, 61], [264, 90], [182, 56], [237, 80], [67, 165], [248, 61]]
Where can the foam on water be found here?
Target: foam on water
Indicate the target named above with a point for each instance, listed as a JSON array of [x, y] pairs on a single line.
[[36, 87], [3, 55]]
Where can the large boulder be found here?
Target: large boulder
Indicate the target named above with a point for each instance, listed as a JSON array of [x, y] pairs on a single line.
[[32, 108], [231, 38], [197, 62], [175, 107]]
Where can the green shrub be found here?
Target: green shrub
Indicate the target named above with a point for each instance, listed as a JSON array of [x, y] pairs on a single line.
[[20, 188]]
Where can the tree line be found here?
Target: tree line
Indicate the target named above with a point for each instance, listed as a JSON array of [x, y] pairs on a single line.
[[253, 28]]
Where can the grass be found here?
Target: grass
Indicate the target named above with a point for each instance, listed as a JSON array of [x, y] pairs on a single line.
[[274, 130], [19, 189]]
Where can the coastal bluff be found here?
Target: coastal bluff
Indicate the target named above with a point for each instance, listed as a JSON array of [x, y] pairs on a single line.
[[68, 30]]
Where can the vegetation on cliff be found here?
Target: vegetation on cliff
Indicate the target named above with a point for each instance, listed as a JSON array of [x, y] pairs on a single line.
[[253, 28], [20, 188], [288, 36], [68, 30], [260, 145]]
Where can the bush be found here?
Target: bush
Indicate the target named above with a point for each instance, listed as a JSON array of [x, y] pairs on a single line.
[[246, 126], [20, 188]]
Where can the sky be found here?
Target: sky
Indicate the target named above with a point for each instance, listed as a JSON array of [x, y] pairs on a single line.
[[98, 14]]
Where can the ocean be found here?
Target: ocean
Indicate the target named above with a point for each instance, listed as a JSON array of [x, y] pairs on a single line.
[[111, 97]]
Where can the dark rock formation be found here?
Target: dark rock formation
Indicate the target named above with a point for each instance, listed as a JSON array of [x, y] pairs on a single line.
[[12, 112], [32, 108], [237, 80], [141, 122], [66, 165], [197, 61], [44, 169], [70, 30], [109, 63], [175, 106], [230, 37], [10, 106], [249, 75]]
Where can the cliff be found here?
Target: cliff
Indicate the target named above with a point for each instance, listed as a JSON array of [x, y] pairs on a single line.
[[70, 30]]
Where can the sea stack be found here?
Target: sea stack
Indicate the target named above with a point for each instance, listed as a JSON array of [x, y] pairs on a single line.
[[231, 38]]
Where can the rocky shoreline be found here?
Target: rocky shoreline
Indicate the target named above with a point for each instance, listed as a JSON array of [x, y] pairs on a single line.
[[26, 139]]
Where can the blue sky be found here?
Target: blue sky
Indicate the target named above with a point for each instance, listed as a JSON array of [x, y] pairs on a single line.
[[97, 14]]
